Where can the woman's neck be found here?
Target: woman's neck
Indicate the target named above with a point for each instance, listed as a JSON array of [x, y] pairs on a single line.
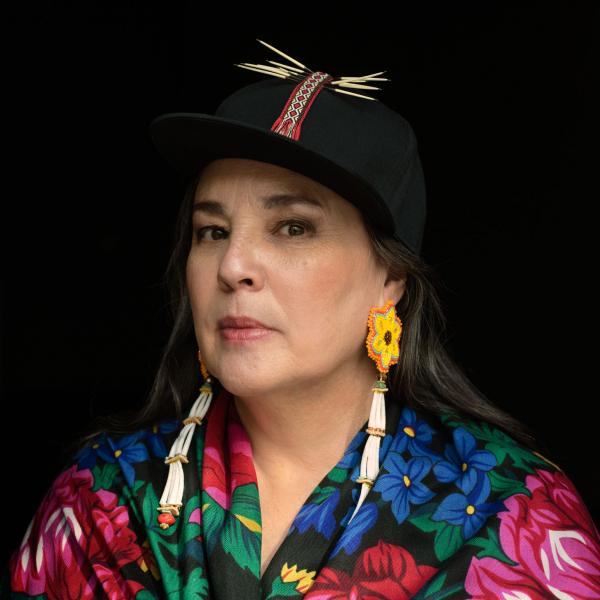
[[309, 430]]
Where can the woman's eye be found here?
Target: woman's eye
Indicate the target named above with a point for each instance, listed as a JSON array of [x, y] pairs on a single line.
[[200, 231], [294, 225]]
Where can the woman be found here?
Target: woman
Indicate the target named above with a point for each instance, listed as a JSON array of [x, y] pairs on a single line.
[[335, 449]]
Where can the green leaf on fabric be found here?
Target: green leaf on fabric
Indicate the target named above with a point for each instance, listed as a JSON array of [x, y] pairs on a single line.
[[191, 529], [447, 541], [423, 521], [490, 546], [197, 585], [322, 494], [506, 486], [284, 588], [145, 595], [213, 516], [165, 552], [338, 475], [433, 590], [242, 544], [500, 444], [245, 504], [104, 476]]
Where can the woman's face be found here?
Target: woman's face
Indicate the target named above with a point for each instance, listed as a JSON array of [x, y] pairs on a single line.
[[312, 280]]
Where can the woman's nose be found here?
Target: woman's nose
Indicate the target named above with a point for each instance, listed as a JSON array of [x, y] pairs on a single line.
[[241, 260]]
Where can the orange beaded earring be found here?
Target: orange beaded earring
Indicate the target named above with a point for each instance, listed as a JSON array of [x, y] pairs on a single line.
[[170, 502], [383, 346]]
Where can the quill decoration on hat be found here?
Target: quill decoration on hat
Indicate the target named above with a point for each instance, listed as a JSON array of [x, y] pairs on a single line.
[[297, 72]]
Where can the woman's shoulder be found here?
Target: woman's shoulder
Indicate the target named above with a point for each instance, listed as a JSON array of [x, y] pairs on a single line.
[[473, 449], [95, 508], [473, 466], [123, 453], [479, 464], [104, 472], [476, 434], [521, 510]]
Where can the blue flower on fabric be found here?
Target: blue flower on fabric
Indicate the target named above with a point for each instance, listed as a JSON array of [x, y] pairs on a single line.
[[402, 485], [413, 435], [364, 520], [464, 462], [469, 510], [154, 437], [87, 457], [352, 454], [318, 513], [125, 451]]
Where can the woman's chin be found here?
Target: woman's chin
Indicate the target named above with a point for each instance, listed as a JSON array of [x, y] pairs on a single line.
[[251, 385]]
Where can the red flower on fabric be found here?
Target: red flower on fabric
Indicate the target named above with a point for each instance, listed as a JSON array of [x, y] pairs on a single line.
[[219, 480], [75, 544], [552, 538], [382, 571]]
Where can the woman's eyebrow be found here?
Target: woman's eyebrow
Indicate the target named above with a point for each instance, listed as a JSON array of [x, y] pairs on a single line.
[[269, 202]]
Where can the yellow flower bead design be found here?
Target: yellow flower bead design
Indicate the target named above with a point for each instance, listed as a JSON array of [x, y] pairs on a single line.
[[383, 340]]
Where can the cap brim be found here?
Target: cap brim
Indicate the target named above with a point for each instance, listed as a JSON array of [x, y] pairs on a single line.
[[188, 141]]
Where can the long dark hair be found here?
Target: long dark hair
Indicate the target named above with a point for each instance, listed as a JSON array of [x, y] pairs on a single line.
[[425, 377]]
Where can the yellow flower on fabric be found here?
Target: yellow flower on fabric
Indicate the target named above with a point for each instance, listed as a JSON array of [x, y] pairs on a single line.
[[305, 578], [383, 341], [147, 561]]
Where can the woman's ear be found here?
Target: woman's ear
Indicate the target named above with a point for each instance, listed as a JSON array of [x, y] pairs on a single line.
[[394, 289]]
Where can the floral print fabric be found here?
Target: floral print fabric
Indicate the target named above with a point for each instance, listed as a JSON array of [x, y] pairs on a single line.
[[459, 510]]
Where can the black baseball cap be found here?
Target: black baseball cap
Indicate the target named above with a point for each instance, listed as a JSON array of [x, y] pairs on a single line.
[[355, 145]]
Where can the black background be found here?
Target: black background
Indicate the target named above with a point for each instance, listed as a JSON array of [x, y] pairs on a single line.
[[500, 98]]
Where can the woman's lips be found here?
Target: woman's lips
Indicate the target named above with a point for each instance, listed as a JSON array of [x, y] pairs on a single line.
[[244, 334]]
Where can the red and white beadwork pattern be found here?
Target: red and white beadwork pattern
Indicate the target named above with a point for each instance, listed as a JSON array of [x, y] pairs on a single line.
[[298, 104]]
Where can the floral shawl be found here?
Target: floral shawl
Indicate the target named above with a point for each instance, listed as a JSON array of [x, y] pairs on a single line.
[[459, 510]]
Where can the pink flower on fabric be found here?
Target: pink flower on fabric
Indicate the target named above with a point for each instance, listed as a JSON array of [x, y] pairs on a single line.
[[241, 449], [382, 571], [552, 538], [219, 480], [75, 544], [214, 476], [196, 516]]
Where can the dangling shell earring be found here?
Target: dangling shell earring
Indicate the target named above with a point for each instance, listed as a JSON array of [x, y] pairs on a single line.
[[170, 502], [383, 346]]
